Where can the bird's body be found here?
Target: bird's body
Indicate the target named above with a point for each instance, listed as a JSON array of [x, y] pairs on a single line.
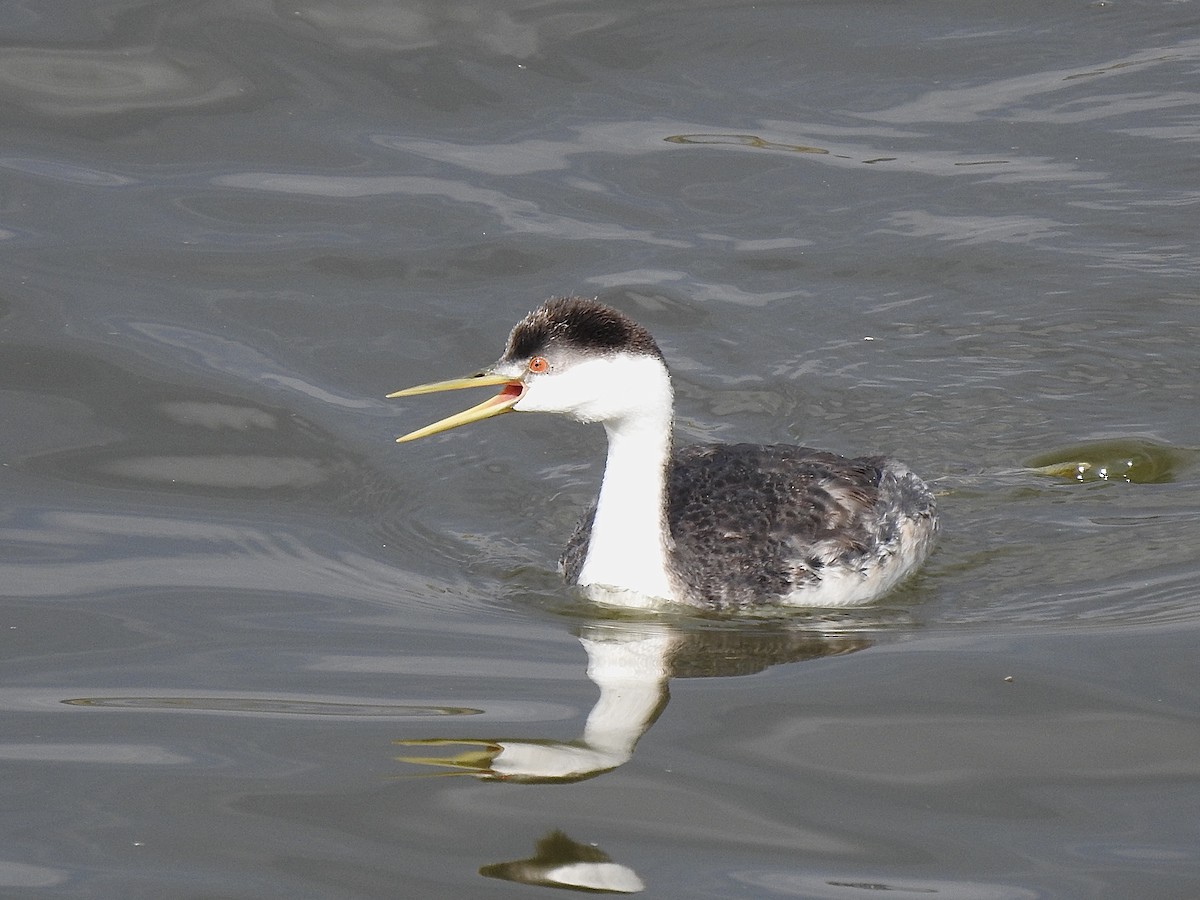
[[796, 526], [724, 527]]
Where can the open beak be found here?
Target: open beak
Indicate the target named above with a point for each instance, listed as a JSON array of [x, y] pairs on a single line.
[[501, 403]]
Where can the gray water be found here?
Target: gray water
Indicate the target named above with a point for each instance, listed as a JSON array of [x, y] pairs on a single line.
[[237, 620]]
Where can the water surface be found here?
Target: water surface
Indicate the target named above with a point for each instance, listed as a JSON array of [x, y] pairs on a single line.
[[246, 637]]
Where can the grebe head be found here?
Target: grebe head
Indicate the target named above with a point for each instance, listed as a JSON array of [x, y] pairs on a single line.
[[571, 356]]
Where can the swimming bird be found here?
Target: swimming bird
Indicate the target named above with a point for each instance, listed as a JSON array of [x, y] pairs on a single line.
[[722, 527]]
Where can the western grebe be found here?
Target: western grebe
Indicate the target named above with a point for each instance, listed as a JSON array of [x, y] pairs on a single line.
[[723, 527]]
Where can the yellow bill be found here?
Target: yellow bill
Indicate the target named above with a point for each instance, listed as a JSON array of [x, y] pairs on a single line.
[[501, 403], [470, 761]]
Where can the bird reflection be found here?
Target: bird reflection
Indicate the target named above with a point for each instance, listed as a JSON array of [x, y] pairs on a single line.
[[631, 664], [558, 861]]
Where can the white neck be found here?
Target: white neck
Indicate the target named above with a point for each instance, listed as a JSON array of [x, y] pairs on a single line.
[[629, 545], [631, 672]]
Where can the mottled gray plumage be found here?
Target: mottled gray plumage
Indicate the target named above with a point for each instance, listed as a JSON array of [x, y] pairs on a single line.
[[753, 523]]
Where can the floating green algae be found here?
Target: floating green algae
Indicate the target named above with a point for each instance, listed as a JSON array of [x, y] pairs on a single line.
[[1135, 460]]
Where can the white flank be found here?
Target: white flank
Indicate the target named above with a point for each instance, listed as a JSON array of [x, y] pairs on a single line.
[[852, 587]]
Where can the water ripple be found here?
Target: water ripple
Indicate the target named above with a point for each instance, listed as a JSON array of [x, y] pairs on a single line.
[[516, 215], [272, 706], [71, 82]]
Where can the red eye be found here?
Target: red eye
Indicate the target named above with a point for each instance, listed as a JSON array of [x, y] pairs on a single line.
[[539, 364]]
